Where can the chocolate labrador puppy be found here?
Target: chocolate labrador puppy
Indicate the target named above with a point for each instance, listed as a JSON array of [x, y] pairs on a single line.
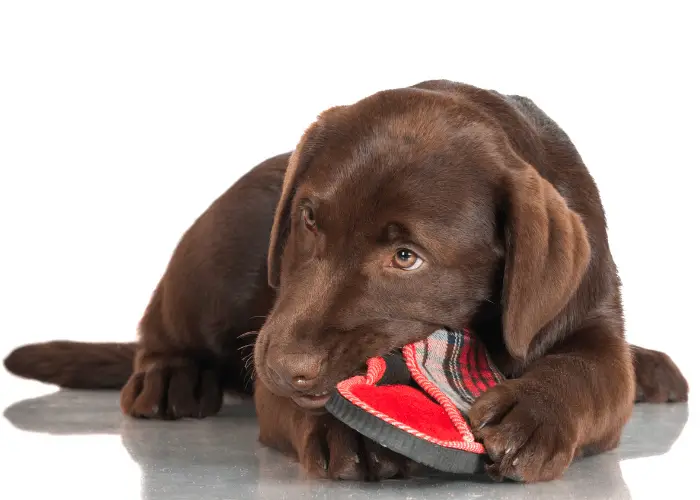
[[437, 205]]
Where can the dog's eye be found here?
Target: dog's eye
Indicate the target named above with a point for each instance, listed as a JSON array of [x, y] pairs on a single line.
[[406, 260], [309, 219]]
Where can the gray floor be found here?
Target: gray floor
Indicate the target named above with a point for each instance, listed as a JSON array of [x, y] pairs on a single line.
[[220, 458]]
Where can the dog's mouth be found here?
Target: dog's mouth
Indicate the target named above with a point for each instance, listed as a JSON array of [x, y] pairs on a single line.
[[316, 401], [312, 402]]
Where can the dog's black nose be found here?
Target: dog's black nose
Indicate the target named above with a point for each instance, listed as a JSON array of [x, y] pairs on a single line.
[[298, 371]]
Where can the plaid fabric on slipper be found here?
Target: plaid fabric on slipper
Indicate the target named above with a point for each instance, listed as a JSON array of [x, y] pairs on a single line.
[[415, 402]]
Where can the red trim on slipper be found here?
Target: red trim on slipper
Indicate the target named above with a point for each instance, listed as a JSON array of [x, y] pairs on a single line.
[[376, 368], [469, 444]]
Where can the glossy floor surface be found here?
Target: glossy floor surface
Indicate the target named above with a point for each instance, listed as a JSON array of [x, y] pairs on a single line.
[[77, 444]]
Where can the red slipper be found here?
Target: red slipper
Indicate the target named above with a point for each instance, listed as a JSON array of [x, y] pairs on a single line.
[[414, 402]]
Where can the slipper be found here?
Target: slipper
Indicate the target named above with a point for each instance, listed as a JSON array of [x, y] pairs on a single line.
[[414, 402]]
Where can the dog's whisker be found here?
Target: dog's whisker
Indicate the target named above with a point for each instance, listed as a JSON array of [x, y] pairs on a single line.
[[248, 334], [249, 377], [249, 362]]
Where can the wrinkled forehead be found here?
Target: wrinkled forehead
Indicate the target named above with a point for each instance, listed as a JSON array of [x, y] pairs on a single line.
[[417, 156]]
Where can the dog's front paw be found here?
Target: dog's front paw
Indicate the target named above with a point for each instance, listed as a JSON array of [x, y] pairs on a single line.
[[525, 432], [170, 388], [333, 450]]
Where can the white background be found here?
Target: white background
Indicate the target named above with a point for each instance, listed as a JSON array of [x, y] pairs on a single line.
[[121, 121]]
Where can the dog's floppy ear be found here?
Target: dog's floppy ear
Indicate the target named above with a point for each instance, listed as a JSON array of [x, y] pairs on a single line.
[[547, 253], [298, 162]]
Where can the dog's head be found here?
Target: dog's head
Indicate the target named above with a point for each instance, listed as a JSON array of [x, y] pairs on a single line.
[[401, 214]]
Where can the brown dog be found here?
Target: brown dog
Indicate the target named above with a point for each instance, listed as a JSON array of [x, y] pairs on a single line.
[[437, 205]]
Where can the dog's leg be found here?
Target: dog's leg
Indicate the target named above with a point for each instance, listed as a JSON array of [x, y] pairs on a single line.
[[658, 379], [573, 400], [197, 333], [324, 446], [175, 375]]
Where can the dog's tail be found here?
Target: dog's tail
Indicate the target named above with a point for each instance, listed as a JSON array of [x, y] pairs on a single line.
[[74, 365]]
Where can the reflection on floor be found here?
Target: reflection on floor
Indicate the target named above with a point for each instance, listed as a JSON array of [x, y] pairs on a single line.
[[220, 458]]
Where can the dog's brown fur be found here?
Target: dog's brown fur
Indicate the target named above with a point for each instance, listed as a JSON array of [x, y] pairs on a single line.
[[488, 192]]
